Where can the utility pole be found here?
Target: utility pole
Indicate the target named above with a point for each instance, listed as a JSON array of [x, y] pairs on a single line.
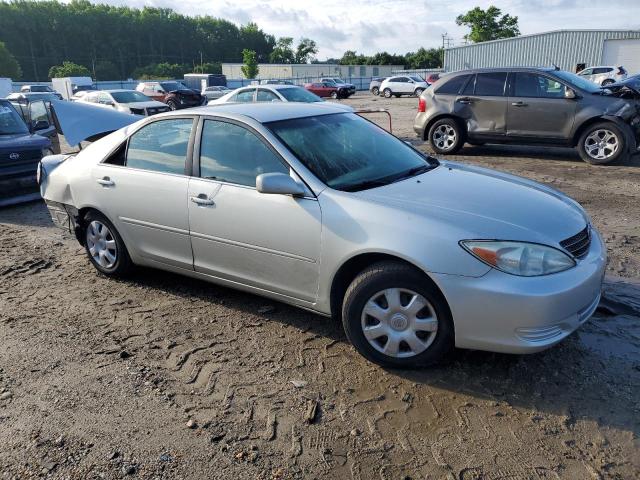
[[446, 43]]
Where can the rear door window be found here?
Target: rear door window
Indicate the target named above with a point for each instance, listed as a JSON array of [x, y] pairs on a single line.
[[453, 86], [160, 146], [265, 95], [490, 84]]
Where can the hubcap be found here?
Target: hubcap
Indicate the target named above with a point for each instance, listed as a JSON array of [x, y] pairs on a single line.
[[444, 137], [101, 244], [601, 144], [399, 322]]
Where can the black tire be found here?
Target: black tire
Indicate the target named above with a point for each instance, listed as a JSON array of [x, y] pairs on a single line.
[[122, 264], [172, 105], [387, 93], [418, 92], [391, 274], [375, 91], [620, 138], [334, 95], [607, 81], [446, 145]]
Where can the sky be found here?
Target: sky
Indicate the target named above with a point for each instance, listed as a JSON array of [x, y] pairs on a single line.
[[399, 26]]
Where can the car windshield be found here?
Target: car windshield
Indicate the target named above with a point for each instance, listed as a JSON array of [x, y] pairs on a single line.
[[10, 121], [337, 80], [416, 79], [171, 86], [129, 97], [578, 81], [349, 153], [296, 94]]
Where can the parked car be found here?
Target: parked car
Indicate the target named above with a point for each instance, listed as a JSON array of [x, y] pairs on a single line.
[[315, 206], [433, 78], [35, 110], [217, 91], [37, 88], [403, 85], [604, 75], [374, 85], [173, 93], [350, 87], [528, 106], [30, 96], [276, 82], [268, 93], [327, 88], [21, 148], [128, 101]]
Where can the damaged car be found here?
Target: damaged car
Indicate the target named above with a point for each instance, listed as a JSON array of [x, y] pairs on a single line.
[[529, 106], [314, 206]]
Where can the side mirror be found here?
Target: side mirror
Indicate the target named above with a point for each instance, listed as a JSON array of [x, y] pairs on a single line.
[[569, 94], [40, 125], [278, 183]]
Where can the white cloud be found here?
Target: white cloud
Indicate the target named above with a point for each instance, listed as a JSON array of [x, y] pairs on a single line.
[[399, 26]]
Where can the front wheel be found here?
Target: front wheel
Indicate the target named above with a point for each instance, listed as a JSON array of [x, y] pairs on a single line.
[[104, 246], [334, 95], [172, 105], [445, 136], [395, 317], [606, 82], [418, 92], [387, 93], [375, 91], [602, 143]]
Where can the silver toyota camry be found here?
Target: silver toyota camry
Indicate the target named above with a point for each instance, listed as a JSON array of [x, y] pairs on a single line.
[[317, 207]]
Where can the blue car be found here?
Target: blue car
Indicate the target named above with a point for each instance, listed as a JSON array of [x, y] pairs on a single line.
[[20, 151]]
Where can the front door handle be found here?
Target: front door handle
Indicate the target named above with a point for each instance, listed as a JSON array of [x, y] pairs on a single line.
[[106, 182], [518, 104], [202, 200]]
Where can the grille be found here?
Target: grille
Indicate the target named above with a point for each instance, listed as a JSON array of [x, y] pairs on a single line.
[[578, 245], [23, 156]]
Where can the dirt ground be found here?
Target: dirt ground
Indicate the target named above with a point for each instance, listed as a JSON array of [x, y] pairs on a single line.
[[160, 376]]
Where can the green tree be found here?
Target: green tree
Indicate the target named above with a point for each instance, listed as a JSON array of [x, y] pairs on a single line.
[[488, 24], [283, 51], [351, 57], [424, 58], [69, 69], [306, 51], [9, 66], [208, 68], [250, 67], [106, 70]]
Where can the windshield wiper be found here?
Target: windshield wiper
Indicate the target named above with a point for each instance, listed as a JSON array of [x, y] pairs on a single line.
[[412, 172], [364, 185]]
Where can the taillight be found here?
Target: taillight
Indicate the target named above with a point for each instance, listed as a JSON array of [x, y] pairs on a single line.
[[422, 105]]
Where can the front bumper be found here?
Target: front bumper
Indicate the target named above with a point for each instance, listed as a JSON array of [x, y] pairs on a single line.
[[510, 314]]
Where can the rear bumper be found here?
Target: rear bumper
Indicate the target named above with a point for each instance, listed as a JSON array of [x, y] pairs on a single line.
[[419, 124], [510, 314]]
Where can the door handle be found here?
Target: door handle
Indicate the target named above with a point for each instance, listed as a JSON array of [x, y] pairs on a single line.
[[465, 100], [518, 104], [202, 200], [106, 182]]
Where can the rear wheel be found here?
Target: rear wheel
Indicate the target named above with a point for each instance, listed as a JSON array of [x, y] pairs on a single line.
[[395, 317], [104, 246], [375, 91], [172, 105], [602, 143], [445, 136], [387, 93]]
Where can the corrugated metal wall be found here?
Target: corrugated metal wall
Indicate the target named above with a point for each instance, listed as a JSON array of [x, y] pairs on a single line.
[[565, 48]]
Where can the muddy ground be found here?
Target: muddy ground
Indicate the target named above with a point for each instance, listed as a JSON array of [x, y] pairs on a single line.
[[160, 376]]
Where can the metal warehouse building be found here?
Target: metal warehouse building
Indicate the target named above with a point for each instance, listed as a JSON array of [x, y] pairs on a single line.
[[310, 70], [570, 50]]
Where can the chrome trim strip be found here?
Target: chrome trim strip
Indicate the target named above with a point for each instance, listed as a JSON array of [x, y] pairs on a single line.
[[140, 223]]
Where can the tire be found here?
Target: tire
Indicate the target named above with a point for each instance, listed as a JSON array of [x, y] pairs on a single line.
[[114, 261], [612, 146], [418, 92], [172, 105], [607, 81], [371, 288], [334, 95], [446, 136], [387, 93], [375, 91]]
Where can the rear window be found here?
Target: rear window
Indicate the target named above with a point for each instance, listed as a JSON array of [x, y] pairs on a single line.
[[453, 86], [491, 84]]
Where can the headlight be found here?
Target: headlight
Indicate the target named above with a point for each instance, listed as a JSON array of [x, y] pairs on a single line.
[[519, 258]]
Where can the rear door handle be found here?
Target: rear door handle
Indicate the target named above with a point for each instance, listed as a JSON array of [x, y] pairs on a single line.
[[518, 104], [106, 182], [202, 200], [465, 100]]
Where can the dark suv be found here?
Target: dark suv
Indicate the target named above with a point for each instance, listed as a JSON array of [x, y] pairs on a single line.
[[528, 106], [173, 93]]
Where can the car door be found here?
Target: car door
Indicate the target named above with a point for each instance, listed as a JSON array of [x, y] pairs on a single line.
[[537, 108], [587, 73], [483, 104], [143, 188], [406, 85], [270, 242], [42, 123], [601, 74]]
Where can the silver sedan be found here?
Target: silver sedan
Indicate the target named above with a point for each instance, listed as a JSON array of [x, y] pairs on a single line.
[[317, 207]]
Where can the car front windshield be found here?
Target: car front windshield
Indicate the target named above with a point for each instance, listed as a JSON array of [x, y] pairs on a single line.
[[10, 121], [172, 86], [296, 94], [337, 80], [349, 153], [129, 97], [578, 81], [416, 79]]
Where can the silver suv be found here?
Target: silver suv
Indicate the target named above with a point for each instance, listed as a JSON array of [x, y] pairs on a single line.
[[529, 106]]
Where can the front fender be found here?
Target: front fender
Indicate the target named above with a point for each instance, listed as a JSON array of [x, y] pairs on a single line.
[[630, 138]]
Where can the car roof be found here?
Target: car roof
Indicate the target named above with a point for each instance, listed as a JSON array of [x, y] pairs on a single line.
[[270, 112], [504, 69]]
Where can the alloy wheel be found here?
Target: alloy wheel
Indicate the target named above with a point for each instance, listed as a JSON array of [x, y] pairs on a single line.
[[101, 244], [444, 137], [399, 322], [601, 144]]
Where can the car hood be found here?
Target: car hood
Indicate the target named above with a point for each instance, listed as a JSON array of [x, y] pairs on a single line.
[[22, 141], [485, 204], [187, 92], [149, 104], [632, 83]]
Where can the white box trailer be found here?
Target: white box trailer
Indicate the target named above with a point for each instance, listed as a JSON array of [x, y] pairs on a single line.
[[6, 87], [67, 86]]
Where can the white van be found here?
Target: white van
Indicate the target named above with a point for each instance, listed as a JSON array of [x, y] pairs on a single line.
[[68, 86]]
